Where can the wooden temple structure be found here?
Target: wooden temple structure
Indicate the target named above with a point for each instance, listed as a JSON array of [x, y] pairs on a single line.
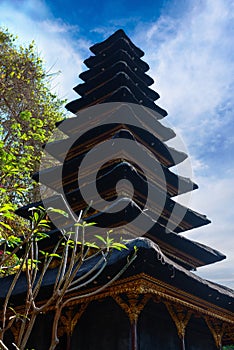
[[159, 302]]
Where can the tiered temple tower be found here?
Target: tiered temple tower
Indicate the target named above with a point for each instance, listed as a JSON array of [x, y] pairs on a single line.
[[159, 303]]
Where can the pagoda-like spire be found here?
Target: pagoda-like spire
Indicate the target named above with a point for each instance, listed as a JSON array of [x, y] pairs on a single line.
[[117, 74]]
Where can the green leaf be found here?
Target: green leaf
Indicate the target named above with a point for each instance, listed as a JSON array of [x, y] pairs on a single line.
[[13, 241], [101, 239], [41, 235], [90, 224], [43, 252], [119, 246], [59, 211], [40, 123], [91, 245], [6, 207], [25, 115], [35, 216], [6, 226], [55, 255]]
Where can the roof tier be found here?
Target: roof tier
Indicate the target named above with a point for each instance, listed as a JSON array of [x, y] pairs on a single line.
[[123, 62], [107, 75], [151, 264], [82, 143], [159, 174], [159, 205], [134, 115], [119, 34], [162, 179]]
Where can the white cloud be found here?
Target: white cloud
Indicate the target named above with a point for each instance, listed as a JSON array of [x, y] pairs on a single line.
[[215, 198], [53, 38], [57, 26], [191, 61]]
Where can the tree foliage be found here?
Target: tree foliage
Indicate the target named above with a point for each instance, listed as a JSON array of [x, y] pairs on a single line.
[[28, 112]]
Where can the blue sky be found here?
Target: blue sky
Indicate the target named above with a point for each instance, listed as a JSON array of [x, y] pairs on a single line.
[[189, 47]]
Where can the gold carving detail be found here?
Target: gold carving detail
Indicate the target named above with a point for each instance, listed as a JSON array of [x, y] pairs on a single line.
[[217, 330], [133, 305], [69, 319], [180, 316], [228, 336], [159, 291]]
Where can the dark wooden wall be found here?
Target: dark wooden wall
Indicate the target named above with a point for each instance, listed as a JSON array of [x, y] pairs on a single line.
[[198, 335], [41, 335], [156, 329], [103, 326]]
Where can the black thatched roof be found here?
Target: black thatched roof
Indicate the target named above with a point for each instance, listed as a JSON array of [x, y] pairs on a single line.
[[151, 261]]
